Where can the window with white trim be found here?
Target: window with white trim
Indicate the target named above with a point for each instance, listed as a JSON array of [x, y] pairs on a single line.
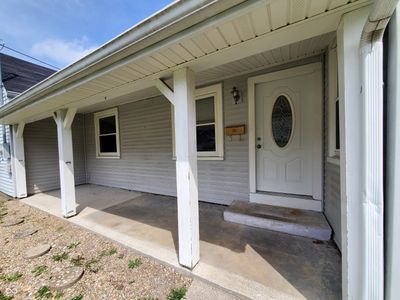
[[209, 123], [107, 133], [333, 108]]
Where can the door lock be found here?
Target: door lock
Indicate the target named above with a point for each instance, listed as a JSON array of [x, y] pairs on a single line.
[[258, 146]]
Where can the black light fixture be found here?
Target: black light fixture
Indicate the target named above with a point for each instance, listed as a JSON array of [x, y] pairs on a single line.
[[236, 95]]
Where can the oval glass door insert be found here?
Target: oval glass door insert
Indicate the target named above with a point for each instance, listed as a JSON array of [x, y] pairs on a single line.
[[282, 121]]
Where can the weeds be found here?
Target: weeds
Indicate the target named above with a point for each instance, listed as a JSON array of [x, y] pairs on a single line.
[[73, 245], [39, 270], [59, 295], [91, 265], [43, 293], [5, 297], [134, 263], [108, 252], [60, 257], [77, 261], [177, 294], [11, 278], [79, 297]]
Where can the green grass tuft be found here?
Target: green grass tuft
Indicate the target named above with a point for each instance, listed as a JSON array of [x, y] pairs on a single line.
[[5, 297], [39, 270], [43, 293], [79, 297], [134, 263], [77, 261], [60, 256], [108, 252], [73, 245], [11, 278], [177, 294], [59, 295]]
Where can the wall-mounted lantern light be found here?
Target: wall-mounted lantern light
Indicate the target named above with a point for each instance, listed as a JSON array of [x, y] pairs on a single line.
[[236, 95]]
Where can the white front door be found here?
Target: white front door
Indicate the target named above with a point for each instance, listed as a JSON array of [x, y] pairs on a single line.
[[289, 132]]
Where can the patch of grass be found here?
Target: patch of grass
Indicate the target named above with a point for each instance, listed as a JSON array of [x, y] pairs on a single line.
[[73, 245], [121, 256], [91, 265], [39, 270], [59, 295], [60, 256], [12, 277], [43, 293], [5, 297], [134, 263], [177, 294], [77, 261], [108, 252], [79, 297]]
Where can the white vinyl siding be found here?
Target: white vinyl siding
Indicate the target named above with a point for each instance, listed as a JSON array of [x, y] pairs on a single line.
[[6, 178], [41, 154]]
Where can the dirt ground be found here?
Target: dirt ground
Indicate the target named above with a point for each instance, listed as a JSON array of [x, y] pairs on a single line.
[[110, 270]]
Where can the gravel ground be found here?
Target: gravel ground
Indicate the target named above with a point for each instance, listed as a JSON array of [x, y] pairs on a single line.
[[107, 274]]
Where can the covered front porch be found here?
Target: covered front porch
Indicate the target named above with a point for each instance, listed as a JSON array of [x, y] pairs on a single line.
[[249, 261]]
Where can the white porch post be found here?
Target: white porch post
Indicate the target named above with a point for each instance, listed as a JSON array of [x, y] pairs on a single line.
[[18, 157], [64, 119], [186, 167], [361, 158]]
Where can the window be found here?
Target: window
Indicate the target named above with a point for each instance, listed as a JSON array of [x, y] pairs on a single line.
[[107, 133], [282, 121], [333, 109], [209, 125]]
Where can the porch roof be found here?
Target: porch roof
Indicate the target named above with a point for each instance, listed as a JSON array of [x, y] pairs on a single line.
[[185, 34]]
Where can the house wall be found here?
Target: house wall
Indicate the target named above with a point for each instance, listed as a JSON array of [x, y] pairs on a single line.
[[332, 208], [146, 162], [41, 155], [6, 178]]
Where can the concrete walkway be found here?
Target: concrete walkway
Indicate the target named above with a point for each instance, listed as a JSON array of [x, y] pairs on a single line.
[[251, 262]]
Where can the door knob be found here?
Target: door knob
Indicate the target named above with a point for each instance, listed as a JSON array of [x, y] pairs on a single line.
[[258, 146]]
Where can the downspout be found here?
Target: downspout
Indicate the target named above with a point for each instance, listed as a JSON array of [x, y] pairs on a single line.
[[371, 54]]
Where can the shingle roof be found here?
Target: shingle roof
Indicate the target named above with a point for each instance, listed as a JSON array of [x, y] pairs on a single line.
[[18, 75]]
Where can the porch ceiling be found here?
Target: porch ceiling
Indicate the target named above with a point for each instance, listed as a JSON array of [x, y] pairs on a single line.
[[252, 34]]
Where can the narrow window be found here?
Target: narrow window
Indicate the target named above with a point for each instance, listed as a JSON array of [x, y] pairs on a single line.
[[205, 123], [107, 133]]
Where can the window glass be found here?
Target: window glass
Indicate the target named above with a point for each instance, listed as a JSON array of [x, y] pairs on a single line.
[[205, 111], [282, 121], [108, 143], [206, 138], [107, 125]]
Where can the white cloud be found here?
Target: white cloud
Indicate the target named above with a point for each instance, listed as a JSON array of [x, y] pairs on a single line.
[[62, 52]]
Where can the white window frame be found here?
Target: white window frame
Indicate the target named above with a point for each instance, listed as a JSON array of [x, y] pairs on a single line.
[[333, 97], [201, 93], [103, 114]]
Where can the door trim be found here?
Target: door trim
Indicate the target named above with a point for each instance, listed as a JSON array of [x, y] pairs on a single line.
[[251, 83]]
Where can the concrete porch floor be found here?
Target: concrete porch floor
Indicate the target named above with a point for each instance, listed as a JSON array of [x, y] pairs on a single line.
[[256, 263]]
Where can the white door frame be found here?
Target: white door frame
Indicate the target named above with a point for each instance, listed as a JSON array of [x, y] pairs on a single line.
[[317, 149]]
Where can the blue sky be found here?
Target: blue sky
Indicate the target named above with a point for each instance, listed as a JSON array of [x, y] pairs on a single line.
[[61, 31]]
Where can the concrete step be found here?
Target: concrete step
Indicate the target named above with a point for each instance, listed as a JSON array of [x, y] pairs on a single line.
[[305, 223]]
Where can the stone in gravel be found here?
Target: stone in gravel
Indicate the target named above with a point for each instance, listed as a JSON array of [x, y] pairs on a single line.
[[66, 278], [11, 222], [25, 233], [37, 251], [3, 213]]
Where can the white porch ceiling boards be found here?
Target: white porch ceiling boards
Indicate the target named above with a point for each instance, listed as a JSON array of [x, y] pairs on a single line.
[[244, 31]]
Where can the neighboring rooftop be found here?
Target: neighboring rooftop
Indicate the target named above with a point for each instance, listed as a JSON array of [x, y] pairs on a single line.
[[19, 75]]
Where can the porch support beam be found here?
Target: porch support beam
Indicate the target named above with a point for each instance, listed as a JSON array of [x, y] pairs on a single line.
[[186, 167], [18, 157], [165, 90], [361, 158], [64, 119]]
